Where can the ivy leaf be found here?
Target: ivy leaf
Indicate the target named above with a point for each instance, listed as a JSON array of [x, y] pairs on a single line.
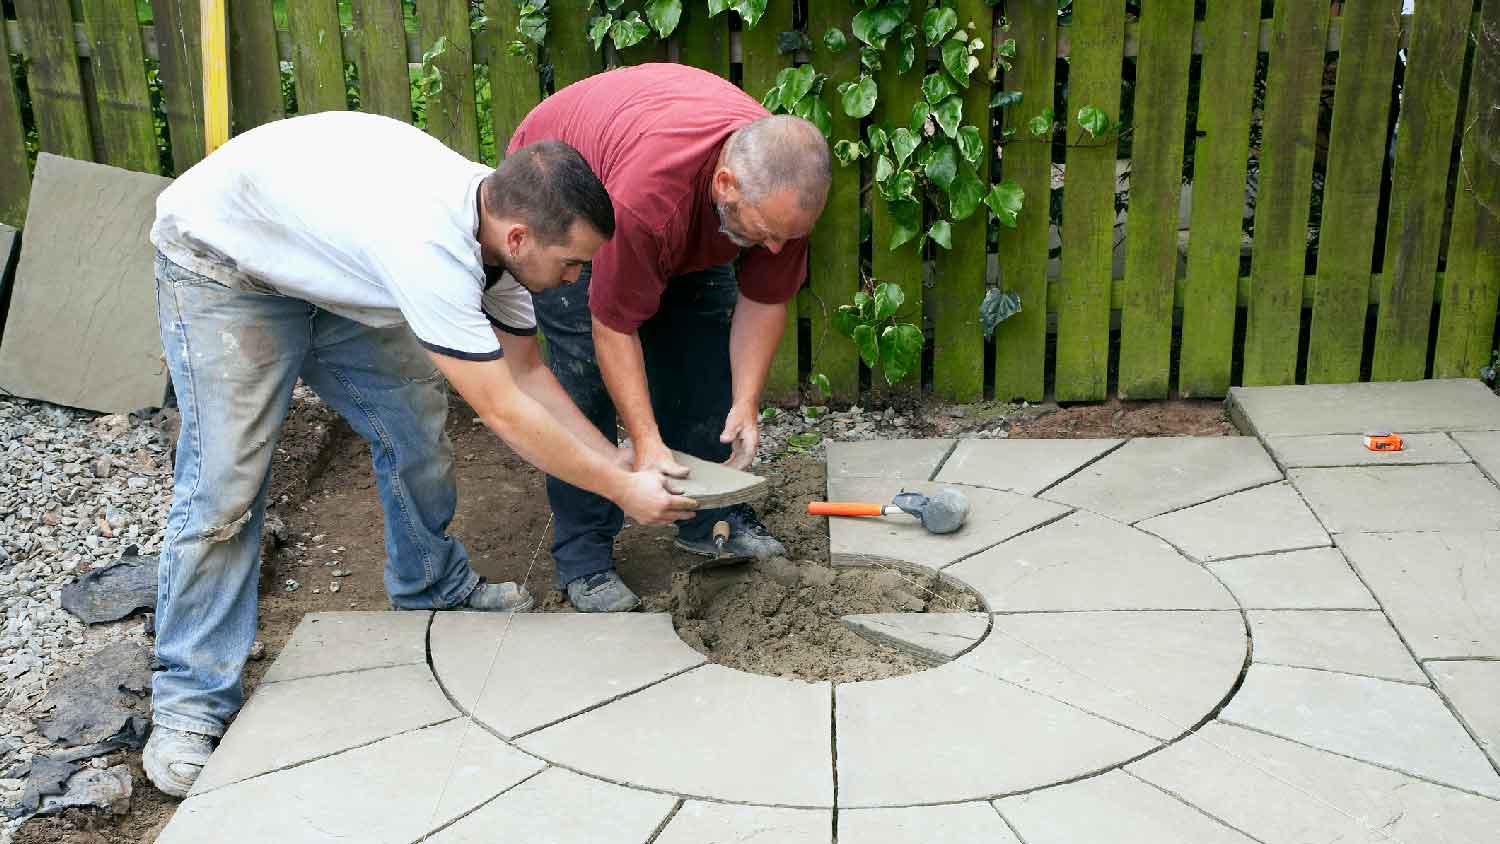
[[900, 349], [903, 144], [884, 169], [1042, 123], [814, 111], [948, 113], [888, 299], [717, 7], [905, 185], [864, 305], [772, 100], [750, 11], [533, 24], [859, 98], [878, 140], [614, 5], [868, 346], [937, 87], [819, 381], [908, 57], [942, 168], [938, 22], [791, 42], [664, 15], [970, 144], [1006, 199], [1005, 99], [835, 40], [844, 319], [629, 32], [875, 24], [598, 28], [799, 83], [966, 194], [917, 123], [907, 216], [869, 59], [848, 152], [1093, 120], [941, 233], [956, 59], [996, 307]]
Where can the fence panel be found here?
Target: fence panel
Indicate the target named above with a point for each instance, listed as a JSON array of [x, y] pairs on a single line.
[[15, 169], [569, 50], [126, 133], [703, 41], [514, 87], [1088, 204], [1278, 258], [384, 80], [452, 116], [53, 78], [317, 55], [1161, 90], [1021, 341], [1351, 197], [254, 66]]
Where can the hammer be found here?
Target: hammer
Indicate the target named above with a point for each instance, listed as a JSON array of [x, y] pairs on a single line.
[[941, 513]]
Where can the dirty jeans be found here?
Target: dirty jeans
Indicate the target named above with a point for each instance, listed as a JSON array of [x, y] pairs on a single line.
[[686, 347], [234, 358]]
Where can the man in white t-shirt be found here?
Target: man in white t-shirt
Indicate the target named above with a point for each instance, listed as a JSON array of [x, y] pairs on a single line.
[[364, 257]]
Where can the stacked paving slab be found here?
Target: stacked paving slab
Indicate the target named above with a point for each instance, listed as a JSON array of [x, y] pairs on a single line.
[[1280, 637]]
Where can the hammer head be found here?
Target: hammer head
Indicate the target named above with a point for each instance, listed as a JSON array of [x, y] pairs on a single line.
[[941, 513]]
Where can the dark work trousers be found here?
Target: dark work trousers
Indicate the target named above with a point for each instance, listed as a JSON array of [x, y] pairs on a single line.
[[686, 346]]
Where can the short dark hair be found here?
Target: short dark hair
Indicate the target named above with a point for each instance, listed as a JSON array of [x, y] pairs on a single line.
[[548, 185]]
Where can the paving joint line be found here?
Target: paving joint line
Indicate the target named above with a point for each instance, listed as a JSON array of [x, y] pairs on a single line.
[[341, 672], [1172, 795], [1135, 524], [1427, 685], [1124, 441], [995, 805], [533, 775], [943, 461], [1272, 553], [833, 748], [1472, 459], [1033, 529], [601, 704], [662, 826], [1459, 717]]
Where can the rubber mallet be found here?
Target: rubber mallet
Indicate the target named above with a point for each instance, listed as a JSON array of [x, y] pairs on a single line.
[[941, 513]]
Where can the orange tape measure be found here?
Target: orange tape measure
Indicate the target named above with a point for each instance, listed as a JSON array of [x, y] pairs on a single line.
[[1383, 441]]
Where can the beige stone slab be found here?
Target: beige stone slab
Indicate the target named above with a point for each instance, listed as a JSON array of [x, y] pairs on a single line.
[[933, 636], [1263, 520], [551, 665], [1157, 672], [1441, 590], [1085, 562], [1354, 642], [1460, 404], [1395, 725], [333, 642], [1316, 579], [297, 720], [994, 516], [1148, 477], [1473, 688], [954, 734], [1327, 450], [82, 329], [1401, 498], [721, 823], [1024, 466], [1279, 791], [1484, 448], [957, 823], [891, 459], [383, 793], [713, 733], [715, 485], [561, 807], [1115, 808]]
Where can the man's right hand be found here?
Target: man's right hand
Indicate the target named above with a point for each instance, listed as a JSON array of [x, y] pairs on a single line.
[[657, 457], [648, 497]]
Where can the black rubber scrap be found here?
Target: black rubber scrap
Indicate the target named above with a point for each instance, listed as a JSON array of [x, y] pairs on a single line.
[[113, 593]]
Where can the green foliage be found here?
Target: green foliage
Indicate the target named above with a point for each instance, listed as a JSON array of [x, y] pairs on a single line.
[[997, 306], [885, 344], [799, 91], [1491, 374]]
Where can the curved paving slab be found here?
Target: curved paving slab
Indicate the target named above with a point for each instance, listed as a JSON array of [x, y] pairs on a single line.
[[298, 720], [1087, 562], [953, 734], [384, 793], [712, 732], [561, 807], [551, 665], [715, 823], [1156, 672], [1115, 808], [1023, 466], [1403, 727], [331, 642], [1279, 791], [1148, 477], [932, 636], [994, 516], [1263, 520], [957, 823]]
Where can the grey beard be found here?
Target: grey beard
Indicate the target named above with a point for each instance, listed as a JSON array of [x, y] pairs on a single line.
[[724, 228]]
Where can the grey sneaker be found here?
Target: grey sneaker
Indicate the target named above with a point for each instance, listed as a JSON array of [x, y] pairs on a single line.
[[173, 759], [601, 592], [748, 538], [499, 597]]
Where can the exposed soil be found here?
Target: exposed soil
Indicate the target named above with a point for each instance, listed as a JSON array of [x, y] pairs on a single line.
[[778, 618]]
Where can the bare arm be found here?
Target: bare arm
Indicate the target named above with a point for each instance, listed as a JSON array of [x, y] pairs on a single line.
[[523, 355], [753, 337], [623, 366]]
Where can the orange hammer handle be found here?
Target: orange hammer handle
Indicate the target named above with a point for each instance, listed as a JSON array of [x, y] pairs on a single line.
[[842, 508]]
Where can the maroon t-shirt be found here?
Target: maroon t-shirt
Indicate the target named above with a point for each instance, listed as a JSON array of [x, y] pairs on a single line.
[[653, 134]]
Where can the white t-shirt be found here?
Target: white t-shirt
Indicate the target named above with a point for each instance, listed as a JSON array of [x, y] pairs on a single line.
[[358, 214]]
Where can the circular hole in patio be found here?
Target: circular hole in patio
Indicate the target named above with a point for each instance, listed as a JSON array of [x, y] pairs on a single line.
[[785, 618]]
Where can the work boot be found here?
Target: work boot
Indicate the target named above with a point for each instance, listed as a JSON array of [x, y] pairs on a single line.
[[748, 538], [499, 597], [601, 592], [174, 758]]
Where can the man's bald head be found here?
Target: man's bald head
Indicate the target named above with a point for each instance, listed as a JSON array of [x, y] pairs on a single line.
[[780, 153]]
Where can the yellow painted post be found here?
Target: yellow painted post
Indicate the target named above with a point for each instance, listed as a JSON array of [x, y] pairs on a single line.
[[215, 75]]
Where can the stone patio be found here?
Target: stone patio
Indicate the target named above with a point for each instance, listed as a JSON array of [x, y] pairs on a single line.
[[1278, 638]]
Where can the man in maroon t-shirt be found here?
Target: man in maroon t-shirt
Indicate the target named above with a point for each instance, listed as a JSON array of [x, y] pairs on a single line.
[[661, 328]]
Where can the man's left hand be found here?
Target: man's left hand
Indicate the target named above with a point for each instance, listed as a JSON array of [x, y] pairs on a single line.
[[741, 427]]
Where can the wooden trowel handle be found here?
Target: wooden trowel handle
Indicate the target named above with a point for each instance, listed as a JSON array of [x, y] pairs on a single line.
[[844, 508]]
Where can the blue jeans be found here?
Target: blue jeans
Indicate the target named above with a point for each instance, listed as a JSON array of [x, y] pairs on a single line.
[[234, 358], [686, 347]]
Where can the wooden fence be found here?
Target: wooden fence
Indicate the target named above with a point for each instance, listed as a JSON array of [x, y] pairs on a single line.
[[1340, 134]]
